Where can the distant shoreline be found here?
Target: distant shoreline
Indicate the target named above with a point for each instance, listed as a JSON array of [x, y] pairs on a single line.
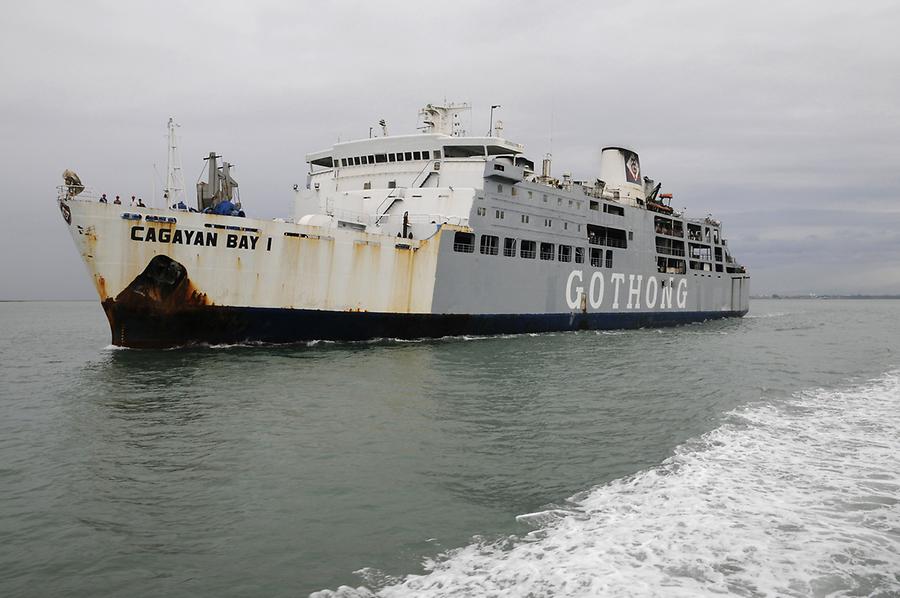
[[776, 296], [753, 297]]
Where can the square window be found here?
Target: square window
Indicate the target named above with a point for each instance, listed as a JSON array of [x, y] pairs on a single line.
[[490, 244], [424, 155], [408, 156], [417, 155], [499, 188], [437, 154], [464, 243], [509, 247], [392, 158], [547, 251], [528, 250]]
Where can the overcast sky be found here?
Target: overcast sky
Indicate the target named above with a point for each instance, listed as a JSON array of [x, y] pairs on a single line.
[[780, 118]]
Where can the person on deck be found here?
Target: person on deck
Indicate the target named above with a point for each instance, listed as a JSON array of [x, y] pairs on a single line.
[[117, 201], [103, 198], [140, 203]]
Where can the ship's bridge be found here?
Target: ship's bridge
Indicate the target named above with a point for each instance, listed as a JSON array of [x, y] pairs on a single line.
[[398, 149]]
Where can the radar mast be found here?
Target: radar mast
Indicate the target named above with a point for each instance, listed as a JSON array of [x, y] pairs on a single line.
[[173, 193]]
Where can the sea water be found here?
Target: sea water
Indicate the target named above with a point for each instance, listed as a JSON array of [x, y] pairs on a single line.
[[754, 457]]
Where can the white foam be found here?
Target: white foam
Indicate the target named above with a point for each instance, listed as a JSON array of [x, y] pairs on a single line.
[[796, 499], [779, 314]]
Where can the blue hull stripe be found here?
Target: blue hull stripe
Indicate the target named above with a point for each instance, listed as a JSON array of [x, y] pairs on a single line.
[[220, 325]]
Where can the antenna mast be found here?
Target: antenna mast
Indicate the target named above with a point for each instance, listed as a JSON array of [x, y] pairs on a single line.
[[174, 189]]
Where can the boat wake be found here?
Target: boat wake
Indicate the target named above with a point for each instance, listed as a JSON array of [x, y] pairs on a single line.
[[797, 498]]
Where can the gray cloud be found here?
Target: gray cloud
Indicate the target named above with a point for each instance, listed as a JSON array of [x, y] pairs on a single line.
[[780, 118]]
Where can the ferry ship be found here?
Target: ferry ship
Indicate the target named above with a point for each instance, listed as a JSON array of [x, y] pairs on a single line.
[[431, 234]]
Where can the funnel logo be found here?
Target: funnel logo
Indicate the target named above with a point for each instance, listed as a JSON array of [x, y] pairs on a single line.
[[632, 167]]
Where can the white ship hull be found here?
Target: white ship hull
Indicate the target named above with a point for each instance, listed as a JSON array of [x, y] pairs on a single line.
[[218, 279]]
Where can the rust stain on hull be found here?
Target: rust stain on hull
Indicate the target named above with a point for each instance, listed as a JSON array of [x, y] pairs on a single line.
[[161, 300]]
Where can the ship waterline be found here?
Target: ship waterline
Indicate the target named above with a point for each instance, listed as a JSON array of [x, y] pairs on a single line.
[[478, 245]]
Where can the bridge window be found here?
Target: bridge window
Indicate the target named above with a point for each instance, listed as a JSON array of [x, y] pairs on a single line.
[[464, 242], [463, 151], [565, 253], [499, 214], [481, 210], [579, 255], [596, 257], [524, 218], [490, 244], [527, 249], [546, 251], [509, 247], [380, 158], [609, 258]]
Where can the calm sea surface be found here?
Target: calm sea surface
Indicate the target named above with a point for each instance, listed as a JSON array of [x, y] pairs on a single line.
[[757, 457]]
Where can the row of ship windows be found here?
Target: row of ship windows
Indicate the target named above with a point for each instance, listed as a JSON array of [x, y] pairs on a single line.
[[490, 245], [395, 157], [526, 219], [573, 203]]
